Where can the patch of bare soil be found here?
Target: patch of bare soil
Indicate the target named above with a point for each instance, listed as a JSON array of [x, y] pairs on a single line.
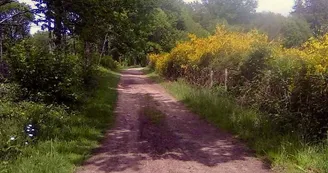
[[154, 133]]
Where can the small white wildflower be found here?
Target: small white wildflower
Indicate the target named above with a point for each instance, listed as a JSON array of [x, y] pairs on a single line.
[[30, 135], [33, 130], [12, 138], [30, 125], [26, 143]]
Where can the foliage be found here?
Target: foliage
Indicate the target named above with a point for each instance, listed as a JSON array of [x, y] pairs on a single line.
[[293, 31], [290, 85], [270, 23], [44, 76], [296, 31], [315, 12], [9, 92], [163, 33], [48, 120], [63, 137], [14, 26], [202, 51], [109, 63], [234, 11], [171, 22]]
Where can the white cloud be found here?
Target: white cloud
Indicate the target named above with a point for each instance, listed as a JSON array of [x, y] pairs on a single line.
[[35, 28], [283, 7], [29, 2]]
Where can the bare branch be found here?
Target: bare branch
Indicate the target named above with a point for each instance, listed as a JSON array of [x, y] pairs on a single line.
[[20, 13]]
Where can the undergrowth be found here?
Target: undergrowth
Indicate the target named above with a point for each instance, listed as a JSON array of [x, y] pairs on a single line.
[[73, 141]]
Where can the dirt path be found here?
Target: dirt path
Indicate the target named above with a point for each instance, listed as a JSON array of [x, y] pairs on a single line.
[[184, 143]]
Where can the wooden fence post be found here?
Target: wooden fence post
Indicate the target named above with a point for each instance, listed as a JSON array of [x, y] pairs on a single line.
[[226, 79], [211, 76]]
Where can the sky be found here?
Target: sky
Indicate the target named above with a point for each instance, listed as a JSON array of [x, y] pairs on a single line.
[[34, 28], [283, 7], [277, 6]]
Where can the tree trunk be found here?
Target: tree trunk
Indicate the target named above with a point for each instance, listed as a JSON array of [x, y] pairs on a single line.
[[1, 44], [58, 27], [103, 49], [87, 55]]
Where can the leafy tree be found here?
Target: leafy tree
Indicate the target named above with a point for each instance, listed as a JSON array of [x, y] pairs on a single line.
[[299, 7], [163, 35], [15, 21], [191, 26], [234, 11], [171, 22], [269, 23], [201, 14], [295, 32], [117, 27], [315, 12], [40, 40]]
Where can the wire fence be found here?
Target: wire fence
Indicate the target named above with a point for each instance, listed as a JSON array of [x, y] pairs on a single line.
[[207, 77]]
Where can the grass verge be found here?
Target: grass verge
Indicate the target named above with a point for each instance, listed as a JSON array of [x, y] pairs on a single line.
[[82, 133], [284, 151]]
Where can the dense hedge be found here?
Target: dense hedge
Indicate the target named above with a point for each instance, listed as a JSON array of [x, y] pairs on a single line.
[[290, 85]]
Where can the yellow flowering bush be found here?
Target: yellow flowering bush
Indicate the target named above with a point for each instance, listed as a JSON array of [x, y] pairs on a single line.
[[291, 83], [226, 48]]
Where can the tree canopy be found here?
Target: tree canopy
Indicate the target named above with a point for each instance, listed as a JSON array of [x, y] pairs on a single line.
[[315, 12]]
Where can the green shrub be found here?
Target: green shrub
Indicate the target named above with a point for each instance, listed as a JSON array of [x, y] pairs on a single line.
[[46, 77], [308, 105], [18, 120], [63, 138], [9, 91], [108, 62]]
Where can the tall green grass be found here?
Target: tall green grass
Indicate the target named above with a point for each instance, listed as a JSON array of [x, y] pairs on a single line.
[[284, 150], [83, 131]]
